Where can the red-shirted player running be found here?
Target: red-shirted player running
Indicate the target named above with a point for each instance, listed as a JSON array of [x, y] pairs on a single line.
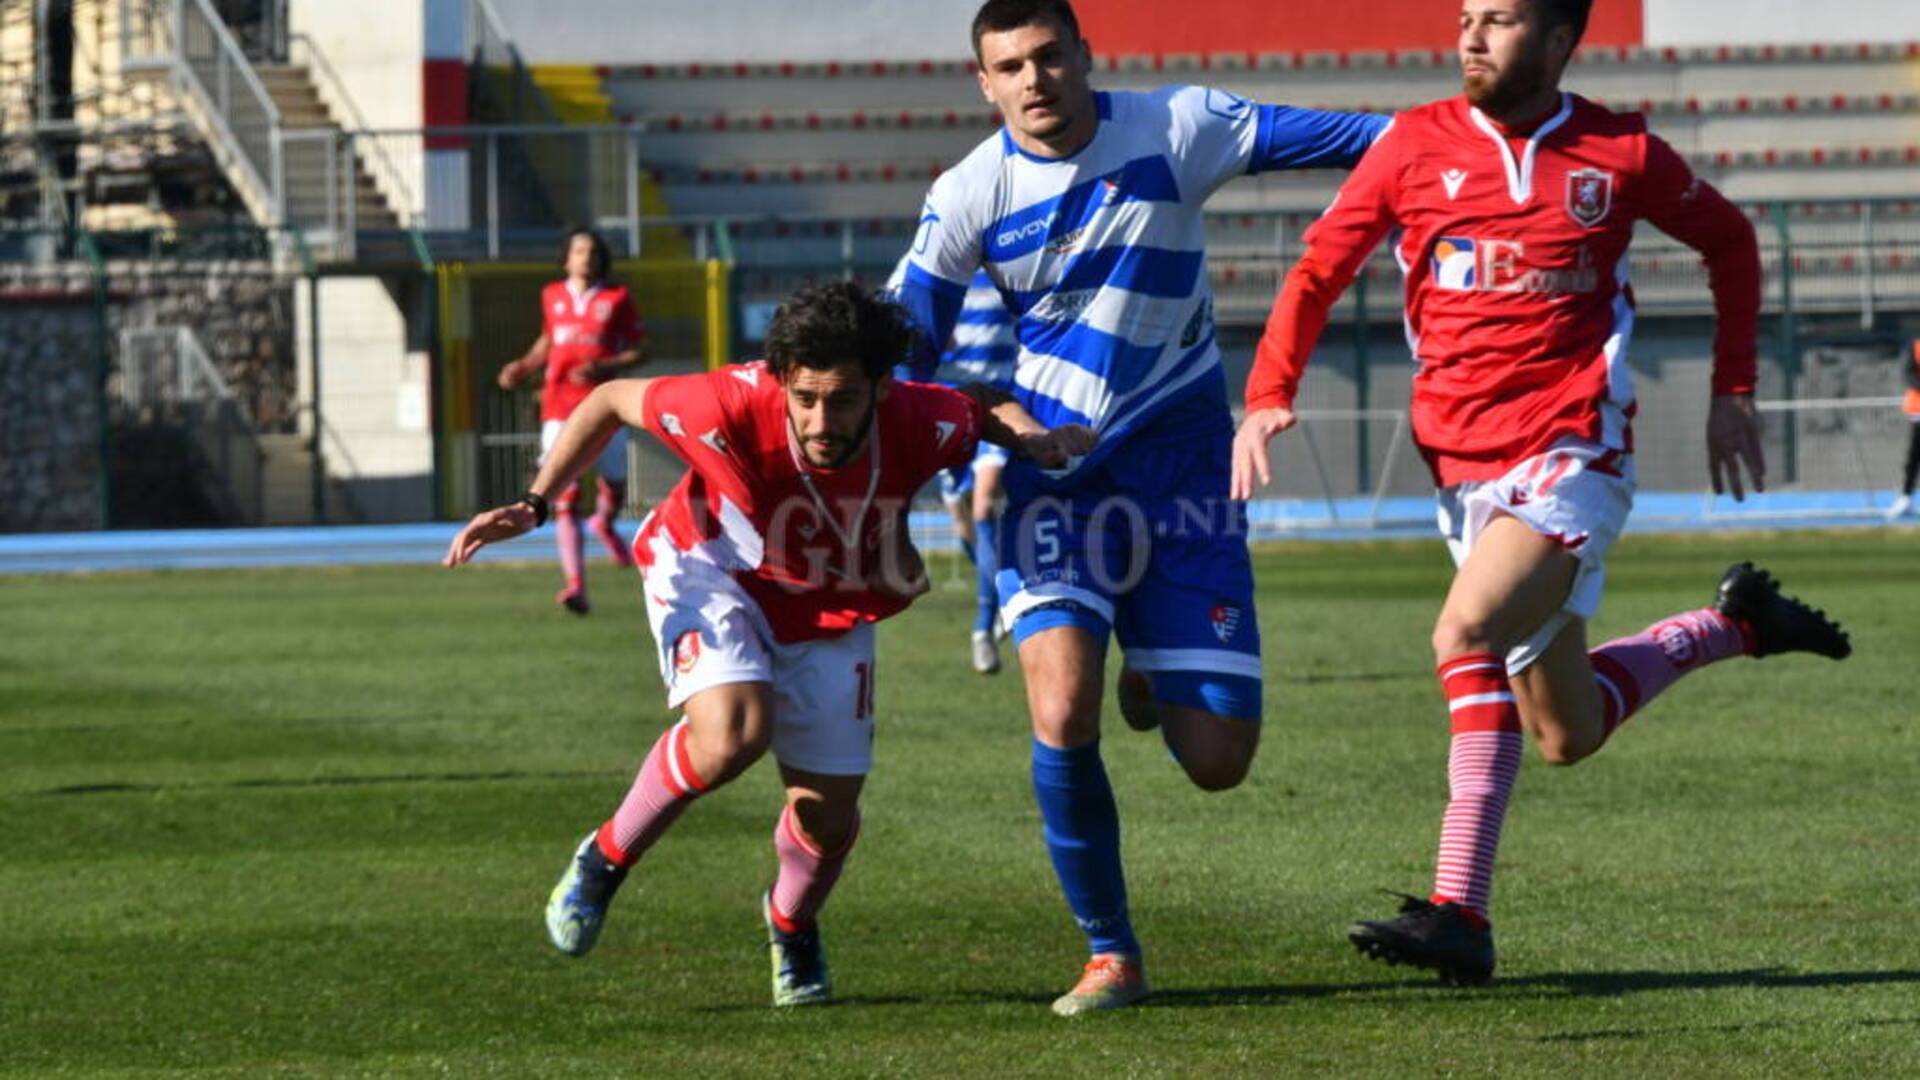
[[764, 571], [1515, 204], [590, 332]]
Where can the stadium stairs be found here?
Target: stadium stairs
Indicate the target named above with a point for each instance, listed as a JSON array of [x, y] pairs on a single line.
[[307, 198], [575, 95]]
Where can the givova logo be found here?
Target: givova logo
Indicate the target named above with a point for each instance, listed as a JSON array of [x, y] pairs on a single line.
[[1454, 262]]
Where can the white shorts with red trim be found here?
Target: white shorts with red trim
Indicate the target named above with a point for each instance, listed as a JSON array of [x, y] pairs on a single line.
[[1578, 493], [711, 633], [612, 462]]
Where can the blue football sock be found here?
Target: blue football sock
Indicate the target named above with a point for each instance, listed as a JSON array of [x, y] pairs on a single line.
[[986, 564], [1083, 838], [966, 545]]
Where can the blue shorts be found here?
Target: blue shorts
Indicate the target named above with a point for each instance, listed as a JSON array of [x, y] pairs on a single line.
[[1145, 545]]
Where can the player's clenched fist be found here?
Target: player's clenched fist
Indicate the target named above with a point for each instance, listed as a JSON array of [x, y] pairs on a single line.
[[1056, 447]]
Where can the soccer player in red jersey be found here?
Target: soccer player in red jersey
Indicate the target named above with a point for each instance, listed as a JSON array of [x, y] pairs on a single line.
[[1515, 204], [764, 571], [1903, 505], [590, 332]]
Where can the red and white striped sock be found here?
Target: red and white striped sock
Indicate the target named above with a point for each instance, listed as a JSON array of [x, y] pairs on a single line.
[[806, 876], [1631, 670], [664, 788], [1482, 762]]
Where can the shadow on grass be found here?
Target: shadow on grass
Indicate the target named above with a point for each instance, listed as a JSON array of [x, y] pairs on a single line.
[[758, 1007], [1563, 984], [1713, 1029], [1558, 985], [1361, 677], [116, 787]]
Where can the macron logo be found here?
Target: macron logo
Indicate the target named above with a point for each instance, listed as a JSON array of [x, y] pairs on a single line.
[[671, 425], [1452, 179], [945, 427], [714, 442], [748, 375]]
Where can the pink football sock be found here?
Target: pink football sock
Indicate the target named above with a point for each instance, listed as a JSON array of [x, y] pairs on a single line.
[[606, 507], [1482, 762], [807, 874], [665, 787], [572, 544], [1632, 670]]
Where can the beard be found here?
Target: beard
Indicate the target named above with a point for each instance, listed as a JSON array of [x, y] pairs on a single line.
[[842, 448], [1499, 93]]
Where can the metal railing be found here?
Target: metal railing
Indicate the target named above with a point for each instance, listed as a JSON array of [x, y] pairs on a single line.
[[504, 84], [164, 376], [524, 182], [389, 178], [188, 40]]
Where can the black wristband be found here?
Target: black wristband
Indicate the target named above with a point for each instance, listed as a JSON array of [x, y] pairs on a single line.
[[538, 504]]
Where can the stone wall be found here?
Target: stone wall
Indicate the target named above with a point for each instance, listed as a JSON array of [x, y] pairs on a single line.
[[241, 312], [49, 416]]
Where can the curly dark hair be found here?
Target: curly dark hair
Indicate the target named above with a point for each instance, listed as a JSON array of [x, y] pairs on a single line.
[[601, 261], [1572, 13], [995, 16], [824, 326]]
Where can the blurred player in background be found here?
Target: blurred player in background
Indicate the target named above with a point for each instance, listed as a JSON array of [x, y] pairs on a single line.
[[1085, 211], [1515, 205], [764, 571], [591, 332], [982, 350], [1903, 505]]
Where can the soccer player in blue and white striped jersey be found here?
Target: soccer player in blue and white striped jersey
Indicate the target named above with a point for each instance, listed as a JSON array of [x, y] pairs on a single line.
[[1085, 211], [982, 350]]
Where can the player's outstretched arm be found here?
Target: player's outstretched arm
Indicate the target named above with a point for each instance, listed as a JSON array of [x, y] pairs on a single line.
[[1007, 423], [1296, 138], [580, 442], [600, 371], [1293, 327], [522, 367]]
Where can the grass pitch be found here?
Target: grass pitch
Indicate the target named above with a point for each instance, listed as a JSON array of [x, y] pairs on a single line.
[[302, 823]]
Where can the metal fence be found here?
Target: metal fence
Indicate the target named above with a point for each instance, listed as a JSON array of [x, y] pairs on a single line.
[[164, 380]]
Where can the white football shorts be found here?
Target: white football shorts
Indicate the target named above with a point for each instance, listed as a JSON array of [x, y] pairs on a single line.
[[710, 633], [612, 462], [1578, 493]]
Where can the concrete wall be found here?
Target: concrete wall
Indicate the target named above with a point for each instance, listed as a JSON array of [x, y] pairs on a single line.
[[376, 48], [666, 31], [1779, 22], [377, 442]]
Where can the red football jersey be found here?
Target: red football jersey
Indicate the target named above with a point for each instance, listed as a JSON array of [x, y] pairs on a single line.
[[1514, 251], [581, 330], [800, 540]]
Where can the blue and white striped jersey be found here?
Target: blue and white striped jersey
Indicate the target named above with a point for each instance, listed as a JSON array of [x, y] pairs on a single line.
[[1100, 255], [983, 347]]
